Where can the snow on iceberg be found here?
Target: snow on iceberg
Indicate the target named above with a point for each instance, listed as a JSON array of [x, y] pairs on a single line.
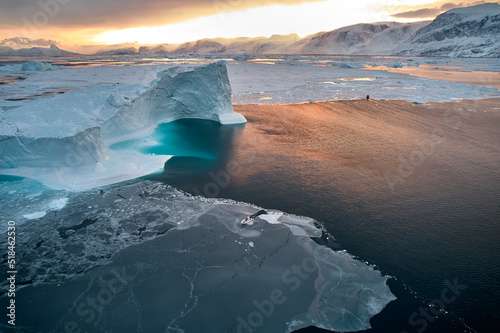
[[35, 66], [204, 93], [64, 141]]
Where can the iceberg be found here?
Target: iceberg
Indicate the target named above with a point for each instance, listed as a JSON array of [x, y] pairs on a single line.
[[33, 66], [63, 141], [36, 66]]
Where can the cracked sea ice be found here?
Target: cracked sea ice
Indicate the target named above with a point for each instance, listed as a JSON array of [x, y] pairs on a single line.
[[143, 256]]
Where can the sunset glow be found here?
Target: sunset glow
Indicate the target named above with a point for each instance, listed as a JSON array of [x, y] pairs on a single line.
[[81, 22], [302, 19]]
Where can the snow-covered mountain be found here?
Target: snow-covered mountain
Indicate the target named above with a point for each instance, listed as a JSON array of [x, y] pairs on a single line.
[[52, 51], [460, 32], [121, 51], [157, 49], [359, 39], [257, 45], [274, 44], [5, 49], [204, 46]]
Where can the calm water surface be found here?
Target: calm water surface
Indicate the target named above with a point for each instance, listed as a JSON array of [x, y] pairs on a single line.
[[429, 230]]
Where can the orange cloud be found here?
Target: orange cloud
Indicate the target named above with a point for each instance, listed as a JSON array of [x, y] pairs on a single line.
[[431, 12], [119, 14]]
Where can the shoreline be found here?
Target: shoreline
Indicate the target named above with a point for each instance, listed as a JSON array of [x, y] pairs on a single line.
[[474, 77], [371, 100]]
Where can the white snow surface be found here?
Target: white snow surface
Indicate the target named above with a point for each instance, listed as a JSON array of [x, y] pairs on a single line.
[[58, 204], [35, 215], [63, 140]]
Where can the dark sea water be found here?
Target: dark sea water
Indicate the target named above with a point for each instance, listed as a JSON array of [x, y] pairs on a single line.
[[436, 234]]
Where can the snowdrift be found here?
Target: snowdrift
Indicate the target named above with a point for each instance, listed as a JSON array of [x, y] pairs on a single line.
[[64, 141]]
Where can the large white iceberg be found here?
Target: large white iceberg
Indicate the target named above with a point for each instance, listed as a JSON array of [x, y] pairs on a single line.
[[64, 141]]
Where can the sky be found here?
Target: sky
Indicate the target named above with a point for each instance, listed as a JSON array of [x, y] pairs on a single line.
[[27, 23]]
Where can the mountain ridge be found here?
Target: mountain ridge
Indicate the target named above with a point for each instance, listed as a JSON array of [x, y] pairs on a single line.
[[460, 32]]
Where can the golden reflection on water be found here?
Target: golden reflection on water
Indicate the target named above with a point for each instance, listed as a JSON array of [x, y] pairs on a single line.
[[358, 79], [362, 144]]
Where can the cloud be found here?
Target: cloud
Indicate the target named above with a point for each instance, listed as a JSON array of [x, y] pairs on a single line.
[[419, 13], [119, 14], [434, 11], [23, 41]]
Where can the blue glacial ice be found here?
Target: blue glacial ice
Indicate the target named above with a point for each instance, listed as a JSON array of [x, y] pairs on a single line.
[[63, 141]]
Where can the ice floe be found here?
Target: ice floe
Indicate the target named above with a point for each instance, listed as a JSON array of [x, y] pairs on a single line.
[[153, 259]]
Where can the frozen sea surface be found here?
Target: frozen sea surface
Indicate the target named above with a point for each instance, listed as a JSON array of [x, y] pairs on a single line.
[[145, 257], [285, 84], [276, 80]]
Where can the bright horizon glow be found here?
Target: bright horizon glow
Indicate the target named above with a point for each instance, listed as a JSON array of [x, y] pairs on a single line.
[[304, 19]]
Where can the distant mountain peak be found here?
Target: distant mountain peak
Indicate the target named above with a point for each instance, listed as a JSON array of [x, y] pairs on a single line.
[[489, 8], [282, 37], [52, 51], [461, 32]]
